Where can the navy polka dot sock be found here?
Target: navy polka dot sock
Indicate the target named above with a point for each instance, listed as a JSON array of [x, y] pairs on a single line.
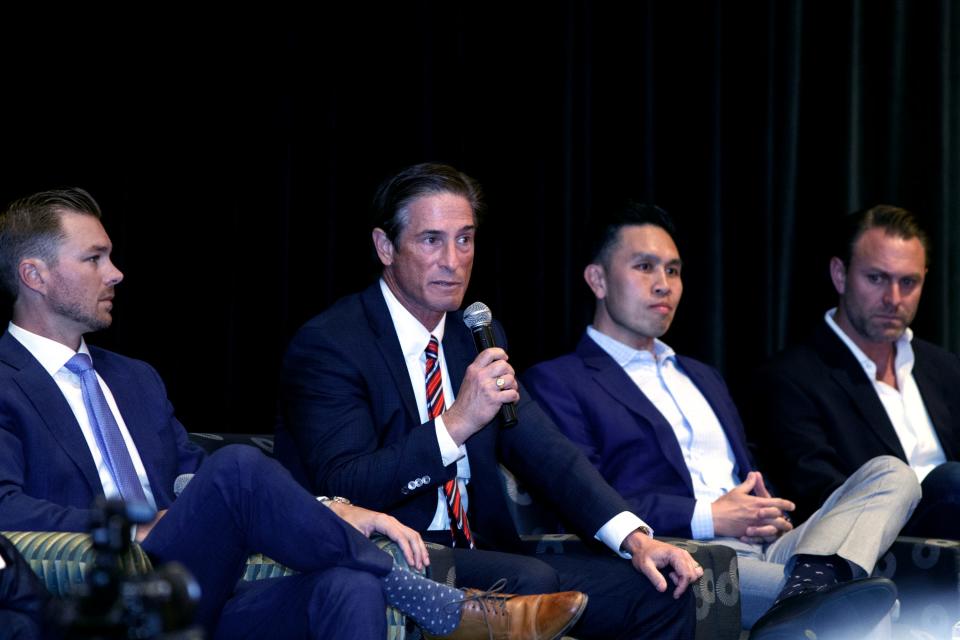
[[814, 573], [434, 606]]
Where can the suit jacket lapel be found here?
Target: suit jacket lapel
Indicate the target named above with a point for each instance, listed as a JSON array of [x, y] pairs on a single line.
[[387, 342], [849, 375], [936, 408], [48, 401], [458, 349], [614, 380]]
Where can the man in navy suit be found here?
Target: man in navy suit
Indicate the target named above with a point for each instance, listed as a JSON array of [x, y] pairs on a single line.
[[390, 404], [69, 433], [862, 386], [663, 430]]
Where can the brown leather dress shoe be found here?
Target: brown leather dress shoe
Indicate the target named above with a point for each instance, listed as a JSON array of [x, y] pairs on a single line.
[[500, 616]]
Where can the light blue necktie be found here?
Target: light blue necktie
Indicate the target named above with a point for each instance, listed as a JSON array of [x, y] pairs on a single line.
[[110, 441]]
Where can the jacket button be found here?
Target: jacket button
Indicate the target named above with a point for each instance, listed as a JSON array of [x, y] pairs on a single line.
[[412, 485], [426, 479]]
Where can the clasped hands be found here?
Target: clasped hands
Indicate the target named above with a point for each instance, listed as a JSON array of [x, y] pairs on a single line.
[[750, 513]]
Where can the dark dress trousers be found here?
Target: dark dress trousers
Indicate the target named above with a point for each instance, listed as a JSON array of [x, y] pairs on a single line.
[[349, 405], [238, 502], [817, 417], [23, 597], [626, 437]]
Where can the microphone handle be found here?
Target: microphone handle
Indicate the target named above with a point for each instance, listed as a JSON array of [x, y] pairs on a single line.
[[484, 339]]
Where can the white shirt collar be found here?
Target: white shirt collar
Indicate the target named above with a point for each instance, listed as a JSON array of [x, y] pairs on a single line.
[[412, 334], [624, 354], [51, 354], [904, 357]]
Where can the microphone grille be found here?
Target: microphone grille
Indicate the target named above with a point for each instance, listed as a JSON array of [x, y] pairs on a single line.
[[181, 482], [477, 315]]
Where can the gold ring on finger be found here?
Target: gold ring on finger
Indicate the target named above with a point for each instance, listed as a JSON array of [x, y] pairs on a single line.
[[500, 383]]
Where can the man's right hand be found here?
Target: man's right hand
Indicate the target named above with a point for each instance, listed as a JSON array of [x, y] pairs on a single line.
[[479, 397], [753, 518], [143, 530]]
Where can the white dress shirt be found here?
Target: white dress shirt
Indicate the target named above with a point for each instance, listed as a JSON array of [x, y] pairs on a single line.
[[904, 405], [52, 357], [413, 342], [706, 450], [414, 338]]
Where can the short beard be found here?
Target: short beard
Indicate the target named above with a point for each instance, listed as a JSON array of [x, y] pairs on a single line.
[[73, 312]]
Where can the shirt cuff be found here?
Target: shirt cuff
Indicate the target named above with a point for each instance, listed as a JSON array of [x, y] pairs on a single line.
[[449, 451], [701, 524], [616, 530]]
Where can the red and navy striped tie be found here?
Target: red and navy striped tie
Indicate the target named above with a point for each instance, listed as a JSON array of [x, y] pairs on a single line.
[[435, 406]]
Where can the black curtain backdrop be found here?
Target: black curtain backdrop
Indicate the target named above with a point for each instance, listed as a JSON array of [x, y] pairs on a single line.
[[235, 154]]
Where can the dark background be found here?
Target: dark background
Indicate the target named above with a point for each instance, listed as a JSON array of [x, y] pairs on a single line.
[[234, 155]]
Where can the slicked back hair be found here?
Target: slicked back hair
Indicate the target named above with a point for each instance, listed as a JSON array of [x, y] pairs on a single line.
[[30, 228], [895, 221], [394, 196]]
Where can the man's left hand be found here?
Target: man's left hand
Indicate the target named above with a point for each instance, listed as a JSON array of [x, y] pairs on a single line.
[[369, 522], [649, 556], [769, 529]]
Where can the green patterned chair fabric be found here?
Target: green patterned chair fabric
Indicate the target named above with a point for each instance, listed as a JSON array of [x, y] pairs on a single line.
[[62, 560]]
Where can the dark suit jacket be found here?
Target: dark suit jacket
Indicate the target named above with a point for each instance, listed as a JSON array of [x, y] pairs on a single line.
[[350, 407], [47, 476], [818, 417], [596, 404]]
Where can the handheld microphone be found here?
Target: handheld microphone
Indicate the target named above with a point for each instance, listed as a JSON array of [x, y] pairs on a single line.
[[181, 482], [479, 319]]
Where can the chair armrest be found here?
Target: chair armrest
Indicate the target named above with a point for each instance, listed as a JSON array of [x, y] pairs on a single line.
[[717, 593], [61, 559]]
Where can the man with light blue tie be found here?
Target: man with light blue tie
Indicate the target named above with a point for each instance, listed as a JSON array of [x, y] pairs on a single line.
[[663, 430], [78, 422]]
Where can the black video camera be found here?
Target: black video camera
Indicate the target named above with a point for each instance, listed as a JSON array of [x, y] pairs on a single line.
[[111, 604]]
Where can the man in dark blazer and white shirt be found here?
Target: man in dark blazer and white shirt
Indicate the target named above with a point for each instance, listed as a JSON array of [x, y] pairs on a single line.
[[862, 385], [355, 401], [664, 431]]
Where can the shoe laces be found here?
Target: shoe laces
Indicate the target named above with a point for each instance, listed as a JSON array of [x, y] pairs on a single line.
[[494, 598]]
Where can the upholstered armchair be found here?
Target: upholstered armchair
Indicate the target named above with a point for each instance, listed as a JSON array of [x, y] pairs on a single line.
[[63, 559]]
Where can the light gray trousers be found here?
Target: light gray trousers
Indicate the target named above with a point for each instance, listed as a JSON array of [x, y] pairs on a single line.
[[858, 522]]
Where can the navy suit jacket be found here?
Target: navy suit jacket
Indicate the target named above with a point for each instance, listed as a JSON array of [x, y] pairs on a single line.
[[350, 407], [818, 418], [596, 404], [48, 479]]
